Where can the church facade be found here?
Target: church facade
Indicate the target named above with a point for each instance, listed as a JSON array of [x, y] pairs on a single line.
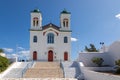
[[50, 42]]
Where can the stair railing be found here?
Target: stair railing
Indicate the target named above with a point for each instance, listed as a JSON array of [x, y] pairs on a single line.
[[29, 65], [61, 66]]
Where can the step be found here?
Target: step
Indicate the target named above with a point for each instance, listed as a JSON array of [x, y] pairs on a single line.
[[44, 70], [38, 79]]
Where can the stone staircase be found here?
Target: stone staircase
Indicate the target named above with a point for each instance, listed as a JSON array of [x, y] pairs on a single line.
[[44, 70]]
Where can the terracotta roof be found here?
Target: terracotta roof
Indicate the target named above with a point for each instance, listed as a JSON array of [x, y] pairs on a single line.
[[51, 25]]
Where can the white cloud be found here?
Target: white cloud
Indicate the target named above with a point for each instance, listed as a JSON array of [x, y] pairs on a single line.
[[74, 39], [117, 16], [24, 53], [8, 50], [21, 54], [14, 55], [21, 48]]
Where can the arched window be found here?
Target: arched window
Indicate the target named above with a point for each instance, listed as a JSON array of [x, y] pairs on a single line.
[[65, 40], [50, 38], [65, 22], [35, 21], [35, 39]]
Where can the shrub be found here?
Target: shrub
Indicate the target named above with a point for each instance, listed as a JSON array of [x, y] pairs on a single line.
[[4, 63], [98, 61], [118, 68], [117, 62]]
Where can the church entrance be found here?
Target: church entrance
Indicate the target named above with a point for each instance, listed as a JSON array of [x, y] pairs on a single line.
[[50, 55], [34, 55], [65, 56]]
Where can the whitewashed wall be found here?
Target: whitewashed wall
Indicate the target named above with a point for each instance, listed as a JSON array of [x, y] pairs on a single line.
[[14, 65], [109, 57], [86, 58], [114, 51], [42, 47], [92, 75]]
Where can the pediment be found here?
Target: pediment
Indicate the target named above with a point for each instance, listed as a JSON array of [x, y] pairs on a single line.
[[51, 26]]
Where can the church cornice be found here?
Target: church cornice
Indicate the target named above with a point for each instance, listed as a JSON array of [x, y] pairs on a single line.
[[51, 25], [65, 30], [35, 30]]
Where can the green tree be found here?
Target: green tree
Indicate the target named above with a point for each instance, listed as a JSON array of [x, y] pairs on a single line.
[[1, 51], [4, 63], [91, 49], [98, 61]]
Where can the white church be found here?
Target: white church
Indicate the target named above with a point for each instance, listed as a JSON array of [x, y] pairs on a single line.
[[50, 42]]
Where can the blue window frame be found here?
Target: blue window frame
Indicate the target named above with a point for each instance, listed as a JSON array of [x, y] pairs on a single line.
[[35, 39], [65, 40], [50, 38]]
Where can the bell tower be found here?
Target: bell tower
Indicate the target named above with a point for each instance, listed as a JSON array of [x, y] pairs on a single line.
[[36, 19], [65, 20]]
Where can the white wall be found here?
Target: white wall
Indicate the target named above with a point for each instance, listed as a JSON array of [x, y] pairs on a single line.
[[42, 48], [86, 58], [14, 65], [114, 51], [92, 75], [89, 74], [109, 57]]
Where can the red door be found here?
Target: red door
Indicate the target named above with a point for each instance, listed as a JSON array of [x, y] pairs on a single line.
[[65, 56], [50, 55], [34, 55]]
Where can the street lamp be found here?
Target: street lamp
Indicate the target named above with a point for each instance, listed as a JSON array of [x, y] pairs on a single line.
[[102, 43], [103, 48]]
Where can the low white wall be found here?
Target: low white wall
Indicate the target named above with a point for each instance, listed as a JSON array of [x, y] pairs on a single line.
[[86, 58], [91, 75], [99, 68], [14, 65], [12, 59]]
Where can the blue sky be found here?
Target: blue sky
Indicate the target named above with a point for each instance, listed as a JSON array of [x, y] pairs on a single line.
[[92, 21]]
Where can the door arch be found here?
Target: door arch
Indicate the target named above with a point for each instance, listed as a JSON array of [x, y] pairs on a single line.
[[65, 56], [34, 55], [50, 55]]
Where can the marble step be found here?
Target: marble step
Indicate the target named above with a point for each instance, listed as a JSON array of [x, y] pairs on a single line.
[[38, 79]]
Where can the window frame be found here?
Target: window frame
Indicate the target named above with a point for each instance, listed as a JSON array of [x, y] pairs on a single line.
[[35, 39], [65, 39], [50, 38]]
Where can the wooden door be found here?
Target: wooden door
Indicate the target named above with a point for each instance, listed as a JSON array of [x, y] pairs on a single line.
[[34, 55], [65, 56], [50, 55]]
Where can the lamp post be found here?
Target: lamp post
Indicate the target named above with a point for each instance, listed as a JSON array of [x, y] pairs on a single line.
[[103, 47]]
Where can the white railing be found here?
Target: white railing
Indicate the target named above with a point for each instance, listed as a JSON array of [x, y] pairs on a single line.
[[61, 65], [26, 68]]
